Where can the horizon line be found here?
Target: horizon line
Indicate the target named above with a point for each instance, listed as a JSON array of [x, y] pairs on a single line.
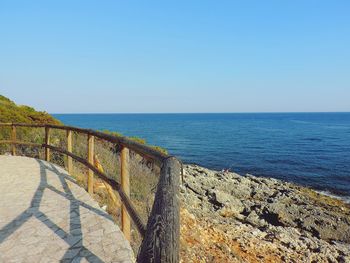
[[243, 112]]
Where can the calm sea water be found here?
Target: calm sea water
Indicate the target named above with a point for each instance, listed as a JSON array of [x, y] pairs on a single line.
[[311, 149]]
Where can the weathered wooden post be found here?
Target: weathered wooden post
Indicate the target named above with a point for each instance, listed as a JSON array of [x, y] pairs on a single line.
[[91, 161], [69, 149], [13, 136], [125, 183], [161, 242], [47, 141]]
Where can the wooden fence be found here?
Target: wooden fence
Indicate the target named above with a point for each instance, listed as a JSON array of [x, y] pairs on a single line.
[[161, 234]]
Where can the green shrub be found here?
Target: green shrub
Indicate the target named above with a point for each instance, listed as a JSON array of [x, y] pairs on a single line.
[[11, 112], [144, 174]]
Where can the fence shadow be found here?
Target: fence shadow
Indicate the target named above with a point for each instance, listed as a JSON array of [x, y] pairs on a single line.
[[73, 238]]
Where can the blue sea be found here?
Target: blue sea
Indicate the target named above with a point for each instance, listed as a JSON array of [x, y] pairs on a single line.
[[311, 149]]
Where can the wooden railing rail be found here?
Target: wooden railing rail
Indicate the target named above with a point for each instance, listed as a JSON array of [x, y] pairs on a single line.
[[161, 236], [141, 149]]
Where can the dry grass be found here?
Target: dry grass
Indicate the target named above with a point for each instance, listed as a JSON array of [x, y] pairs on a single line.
[[143, 173]]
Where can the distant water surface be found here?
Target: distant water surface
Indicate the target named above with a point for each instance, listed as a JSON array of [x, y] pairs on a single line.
[[311, 149]]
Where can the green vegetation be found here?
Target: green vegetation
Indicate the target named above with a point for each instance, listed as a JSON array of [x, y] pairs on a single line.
[[11, 112], [143, 172]]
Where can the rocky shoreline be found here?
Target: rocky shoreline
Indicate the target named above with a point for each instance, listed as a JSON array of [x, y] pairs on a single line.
[[227, 217]]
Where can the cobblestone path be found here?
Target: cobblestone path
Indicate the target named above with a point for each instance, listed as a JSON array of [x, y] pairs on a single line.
[[46, 217]]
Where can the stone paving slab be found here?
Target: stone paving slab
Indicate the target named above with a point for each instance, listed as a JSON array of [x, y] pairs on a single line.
[[46, 217]]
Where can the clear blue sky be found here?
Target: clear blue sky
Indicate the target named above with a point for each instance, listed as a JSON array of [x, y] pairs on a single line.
[[176, 56]]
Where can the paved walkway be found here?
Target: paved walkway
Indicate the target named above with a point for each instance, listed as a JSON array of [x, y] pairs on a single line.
[[46, 217]]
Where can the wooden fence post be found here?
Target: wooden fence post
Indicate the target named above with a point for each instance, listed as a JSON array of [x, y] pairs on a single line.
[[161, 242], [91, 161], [112, 195], [69, 149], [13, 140], [47, 141], [125, 183]]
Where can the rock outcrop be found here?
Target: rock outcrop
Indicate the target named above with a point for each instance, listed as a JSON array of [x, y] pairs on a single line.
[[231, 218]]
